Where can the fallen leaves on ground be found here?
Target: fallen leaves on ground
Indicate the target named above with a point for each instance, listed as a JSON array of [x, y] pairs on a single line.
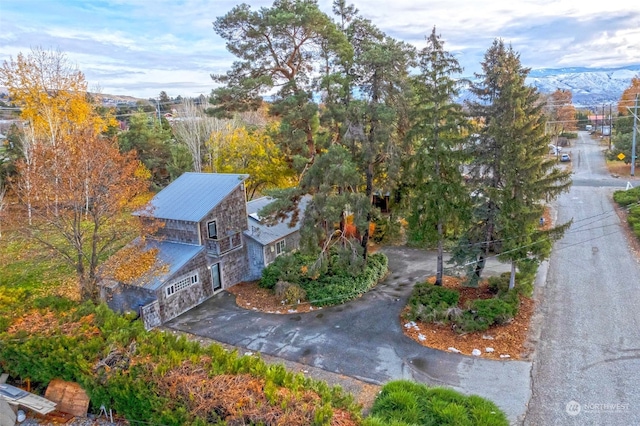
[[508, 340], [253, 297], [48, 323]]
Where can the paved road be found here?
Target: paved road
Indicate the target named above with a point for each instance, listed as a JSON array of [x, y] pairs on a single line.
[[586, 365], [363, 338]]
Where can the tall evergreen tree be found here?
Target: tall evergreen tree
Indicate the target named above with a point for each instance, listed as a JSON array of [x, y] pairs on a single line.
[[511, 174], [376, 122], [438, 194], [279, 48]]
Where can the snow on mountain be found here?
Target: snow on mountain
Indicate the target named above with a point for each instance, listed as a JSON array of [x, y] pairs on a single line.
[[591, 87]]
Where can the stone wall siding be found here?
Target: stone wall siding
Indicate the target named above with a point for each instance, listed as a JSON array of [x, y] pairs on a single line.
[[231, 220], [234, 266], [182, 300], [292, 243], [180, 231]]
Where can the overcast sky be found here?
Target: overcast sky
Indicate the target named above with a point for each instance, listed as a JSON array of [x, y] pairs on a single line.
[[140, 47]]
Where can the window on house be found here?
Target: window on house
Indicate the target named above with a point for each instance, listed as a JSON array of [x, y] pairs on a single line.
[[212, 230], [181, 284], [170, 290], [280, 246]]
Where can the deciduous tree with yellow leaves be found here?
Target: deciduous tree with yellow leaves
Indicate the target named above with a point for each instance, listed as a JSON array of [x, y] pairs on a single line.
[[73, 183], [257, 155], [562, 113]]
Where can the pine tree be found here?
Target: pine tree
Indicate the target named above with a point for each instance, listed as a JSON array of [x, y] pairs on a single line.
[[279, 48], [438, 194], [376, 123], [511, 174]]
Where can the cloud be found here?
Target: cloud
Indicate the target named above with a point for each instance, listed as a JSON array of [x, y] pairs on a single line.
[[144, 46]]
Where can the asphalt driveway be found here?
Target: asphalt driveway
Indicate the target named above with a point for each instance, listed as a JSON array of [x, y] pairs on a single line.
[[363, 338]]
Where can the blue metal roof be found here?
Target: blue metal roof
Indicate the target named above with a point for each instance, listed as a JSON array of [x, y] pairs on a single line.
[[193, 195], [171, 255], [267, 234]]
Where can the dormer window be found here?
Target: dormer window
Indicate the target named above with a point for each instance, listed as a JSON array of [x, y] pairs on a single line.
[[212, 230]]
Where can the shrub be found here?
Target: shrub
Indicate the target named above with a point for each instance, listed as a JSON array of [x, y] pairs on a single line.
[[5, 323], [291, 293], [483, 313], [431, 303], [270, 276], [289, 267], [339, 286], [433, 296], [625, 198], [404, 403], [499, 284], [132, 384], [524, 281]]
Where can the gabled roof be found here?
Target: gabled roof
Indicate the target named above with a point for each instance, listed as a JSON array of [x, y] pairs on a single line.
[[267, 234], [193, 195], [172, 256]]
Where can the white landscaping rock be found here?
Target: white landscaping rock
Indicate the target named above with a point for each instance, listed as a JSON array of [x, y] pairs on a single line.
[[476, 352], [505, 356], [421, 337], [454, 350], [489, 350], [487, 337]]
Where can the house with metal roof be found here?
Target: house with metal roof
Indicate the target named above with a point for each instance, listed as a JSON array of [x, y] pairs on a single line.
[[210, 239], [266, 241]]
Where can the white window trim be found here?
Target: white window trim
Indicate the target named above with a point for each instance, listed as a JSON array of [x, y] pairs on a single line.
[[181, 284], [280, 247]]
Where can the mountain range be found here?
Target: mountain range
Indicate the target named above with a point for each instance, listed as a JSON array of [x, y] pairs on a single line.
[[591, 87]]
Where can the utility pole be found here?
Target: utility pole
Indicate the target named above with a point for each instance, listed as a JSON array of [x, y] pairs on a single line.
[[610, 126], [602, 128], [633, 141]]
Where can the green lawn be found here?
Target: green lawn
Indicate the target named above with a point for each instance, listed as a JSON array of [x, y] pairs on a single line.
[[28, 272]]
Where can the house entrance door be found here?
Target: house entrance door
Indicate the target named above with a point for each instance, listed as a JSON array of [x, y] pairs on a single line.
[[215, 277]]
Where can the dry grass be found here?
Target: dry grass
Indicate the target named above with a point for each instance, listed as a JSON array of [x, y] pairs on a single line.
[[243, 399], [619, 168]]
